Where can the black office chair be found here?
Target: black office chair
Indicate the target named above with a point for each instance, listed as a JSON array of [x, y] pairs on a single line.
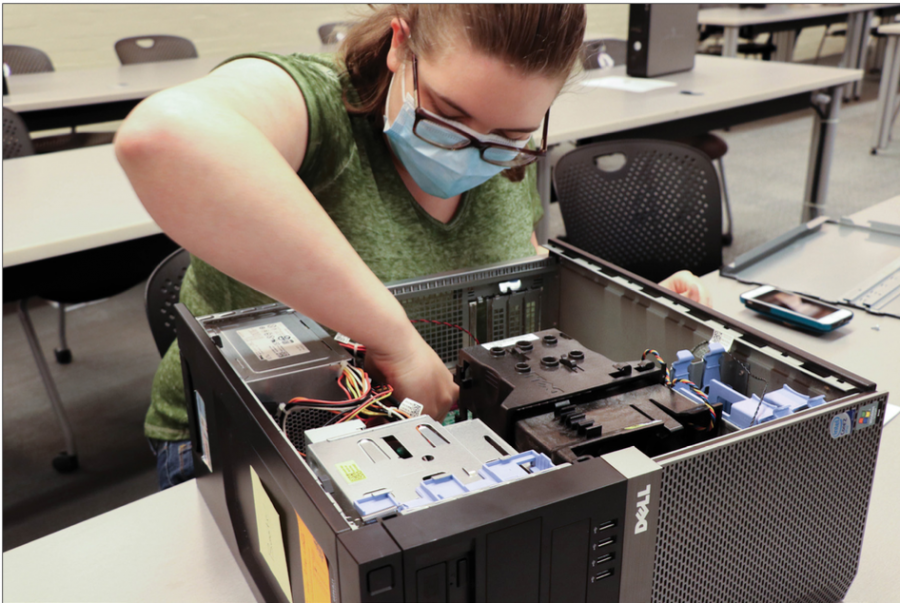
[[161, 295], [714, 146], [652, 207], [334, 33], [151, 49], [16, 141], [25, 59]]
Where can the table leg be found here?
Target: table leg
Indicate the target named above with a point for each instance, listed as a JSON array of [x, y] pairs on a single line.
[[821, 151], [542, 230], [878, 58], [887, 93], [730, 42], [851, 49], [865, 36], [784, 40]]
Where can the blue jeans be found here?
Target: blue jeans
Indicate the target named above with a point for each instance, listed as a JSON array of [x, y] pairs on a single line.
[[174, 462]]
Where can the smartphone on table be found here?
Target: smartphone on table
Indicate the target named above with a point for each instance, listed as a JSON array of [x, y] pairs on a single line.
[[796, 310]]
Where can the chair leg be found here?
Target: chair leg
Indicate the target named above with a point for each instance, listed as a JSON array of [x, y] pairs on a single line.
[[727, 236], [66, 461], [63, 353]]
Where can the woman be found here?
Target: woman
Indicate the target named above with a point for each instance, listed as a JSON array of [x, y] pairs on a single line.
[[311, 180]]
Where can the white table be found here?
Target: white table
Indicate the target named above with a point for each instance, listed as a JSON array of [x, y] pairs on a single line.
[[165, 547], [64, 98], [725, 92], [867, 345], [887, 89], [64, 202], [783, 21]]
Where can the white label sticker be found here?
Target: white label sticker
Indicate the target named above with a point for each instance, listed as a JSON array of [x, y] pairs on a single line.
[[508, 342], [204, 431], [341, 338], [726, 339], [272, 341]]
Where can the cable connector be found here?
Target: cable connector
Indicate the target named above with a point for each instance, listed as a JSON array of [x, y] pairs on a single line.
[[411, 407]]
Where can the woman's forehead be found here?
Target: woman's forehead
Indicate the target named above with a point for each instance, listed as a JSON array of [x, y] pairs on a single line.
[[487, 88]]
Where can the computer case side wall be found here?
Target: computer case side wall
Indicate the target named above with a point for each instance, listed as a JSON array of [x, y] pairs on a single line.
[[240, 436]]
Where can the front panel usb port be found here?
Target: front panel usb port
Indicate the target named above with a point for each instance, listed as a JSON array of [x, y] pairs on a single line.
[[601, 575], [605, 542], [603, 559], [606, 525]]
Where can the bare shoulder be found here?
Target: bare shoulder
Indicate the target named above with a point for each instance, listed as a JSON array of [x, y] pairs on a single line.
[[267, 96], [249, 90]]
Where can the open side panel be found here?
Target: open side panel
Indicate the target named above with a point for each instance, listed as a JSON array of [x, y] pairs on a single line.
[[621, 315]]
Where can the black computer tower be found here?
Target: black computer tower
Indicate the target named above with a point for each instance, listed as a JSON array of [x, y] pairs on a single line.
[[706, 521], [662, 39]]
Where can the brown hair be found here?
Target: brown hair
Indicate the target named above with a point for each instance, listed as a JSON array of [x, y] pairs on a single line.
[[536, 39]]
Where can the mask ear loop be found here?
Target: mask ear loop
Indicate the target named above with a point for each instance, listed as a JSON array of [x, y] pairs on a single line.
[[387, 101]]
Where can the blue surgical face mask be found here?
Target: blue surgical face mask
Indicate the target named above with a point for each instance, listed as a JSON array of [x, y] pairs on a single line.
[[440, 172]]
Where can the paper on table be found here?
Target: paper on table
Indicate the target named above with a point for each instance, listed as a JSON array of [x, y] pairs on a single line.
[[271, 543], [890, 411], [629, 84]]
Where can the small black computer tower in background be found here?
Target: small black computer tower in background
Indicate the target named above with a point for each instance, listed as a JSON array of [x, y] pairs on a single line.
[[662, 38]]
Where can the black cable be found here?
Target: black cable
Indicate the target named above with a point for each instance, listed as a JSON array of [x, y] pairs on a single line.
[[752, 376]]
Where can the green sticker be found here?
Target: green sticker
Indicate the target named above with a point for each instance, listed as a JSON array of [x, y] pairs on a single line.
[[351, 471]]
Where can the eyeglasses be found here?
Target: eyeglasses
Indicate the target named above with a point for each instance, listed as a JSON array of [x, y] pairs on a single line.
[[434, 130]]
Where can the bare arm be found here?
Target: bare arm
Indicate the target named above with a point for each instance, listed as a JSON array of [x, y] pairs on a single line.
[[214, 162], [538, 249]]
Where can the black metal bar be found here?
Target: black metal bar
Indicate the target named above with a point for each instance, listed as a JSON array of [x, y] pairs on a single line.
[[700, 124], [751, 31], [65, 117]]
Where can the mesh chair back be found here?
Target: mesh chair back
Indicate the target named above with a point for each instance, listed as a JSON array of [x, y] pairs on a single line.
[[25, 59], [334, 33], [16, 141], [652, 207], [150, 49], [161, 295], [591, 49]]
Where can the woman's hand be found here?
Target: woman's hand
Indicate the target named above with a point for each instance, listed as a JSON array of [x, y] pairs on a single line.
[[688, 284], [415, 371]]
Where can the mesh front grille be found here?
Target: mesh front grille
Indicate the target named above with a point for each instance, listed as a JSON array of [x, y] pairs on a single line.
[[297, 421], [779, 517], [531, 317], [444, 307], [498, 319]]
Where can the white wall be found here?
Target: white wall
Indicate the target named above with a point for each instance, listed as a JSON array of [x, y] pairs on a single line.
[[81, 36]]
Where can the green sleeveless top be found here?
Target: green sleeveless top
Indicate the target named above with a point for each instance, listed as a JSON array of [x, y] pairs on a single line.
[[348, 168]]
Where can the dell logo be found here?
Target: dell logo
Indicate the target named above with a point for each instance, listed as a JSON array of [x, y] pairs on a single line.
[[643, 509]]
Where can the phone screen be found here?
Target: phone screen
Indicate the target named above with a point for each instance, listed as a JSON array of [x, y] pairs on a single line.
[[795, 303]]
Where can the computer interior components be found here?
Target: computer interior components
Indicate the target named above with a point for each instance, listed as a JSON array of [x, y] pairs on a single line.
[[593, 456]]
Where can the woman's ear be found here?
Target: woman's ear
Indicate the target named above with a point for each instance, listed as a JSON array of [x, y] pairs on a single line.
[[397, 53]]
